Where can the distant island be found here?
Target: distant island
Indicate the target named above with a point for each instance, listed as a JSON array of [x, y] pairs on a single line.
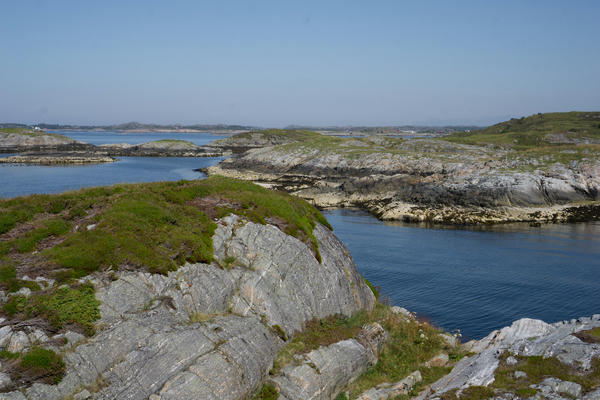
[[136, 127]]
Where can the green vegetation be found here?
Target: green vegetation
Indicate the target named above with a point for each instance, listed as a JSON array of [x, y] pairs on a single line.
[[43, 364], [542, 139], [156, 226], [373, 289], [73, 307], [266, 392], [532, 131], [9, 281], [36, 365]]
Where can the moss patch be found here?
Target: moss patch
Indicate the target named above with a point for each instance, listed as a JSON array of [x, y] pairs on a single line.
[[266, 392], [63, 307], [36, 365]]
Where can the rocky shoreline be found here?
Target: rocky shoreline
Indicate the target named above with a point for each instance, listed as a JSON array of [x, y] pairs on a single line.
[[57, 159]]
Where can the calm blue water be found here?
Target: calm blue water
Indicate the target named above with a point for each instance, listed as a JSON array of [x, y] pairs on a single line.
[[478, 280], [475, 280], [17, 180], [137, 138]]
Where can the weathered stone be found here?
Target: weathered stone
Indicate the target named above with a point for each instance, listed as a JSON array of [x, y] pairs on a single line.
[[16, 395], [5, 334], [510, 360], [451, 340], [392, 390], [402, 311], [438, 361], [18, 342], [37, 336], [520, 374], [23, 292], [83, 395], [554, 385], [5, 381]]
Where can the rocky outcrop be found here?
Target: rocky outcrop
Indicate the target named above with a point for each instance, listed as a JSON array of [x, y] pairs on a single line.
[[324, 372], [525, 337], [160, 148], [207, 331], [427, 181]]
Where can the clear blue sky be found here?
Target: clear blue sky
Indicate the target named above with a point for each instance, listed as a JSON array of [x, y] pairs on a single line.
[[273, 63]]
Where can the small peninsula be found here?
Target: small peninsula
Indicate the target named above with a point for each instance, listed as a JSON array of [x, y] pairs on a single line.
[[542, 168]]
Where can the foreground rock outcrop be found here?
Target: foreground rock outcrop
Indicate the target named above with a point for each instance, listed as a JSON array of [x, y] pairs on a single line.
[[205, 331]]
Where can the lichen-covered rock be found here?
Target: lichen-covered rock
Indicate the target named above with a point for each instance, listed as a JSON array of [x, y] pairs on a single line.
[[207, 331]]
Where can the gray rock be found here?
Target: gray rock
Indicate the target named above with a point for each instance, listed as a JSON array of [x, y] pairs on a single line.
[[5, 381], [5, 334], [73, 338], [511, 360], [438, 361], [593, 395], [520, 374], [18, 342], [451, 340], [23, 292], [553, 385], [392, 390], [403, 311], [16, 395], [83, 395], [37, 336]]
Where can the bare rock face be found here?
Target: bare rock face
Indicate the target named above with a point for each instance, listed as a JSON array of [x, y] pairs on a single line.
[[206, 331], [525, 337]]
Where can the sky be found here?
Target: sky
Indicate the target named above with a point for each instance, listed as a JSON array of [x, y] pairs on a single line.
[[275, 63]]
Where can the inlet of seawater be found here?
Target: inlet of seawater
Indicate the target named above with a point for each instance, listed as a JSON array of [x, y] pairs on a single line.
[[475, 280], [479, 279]]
